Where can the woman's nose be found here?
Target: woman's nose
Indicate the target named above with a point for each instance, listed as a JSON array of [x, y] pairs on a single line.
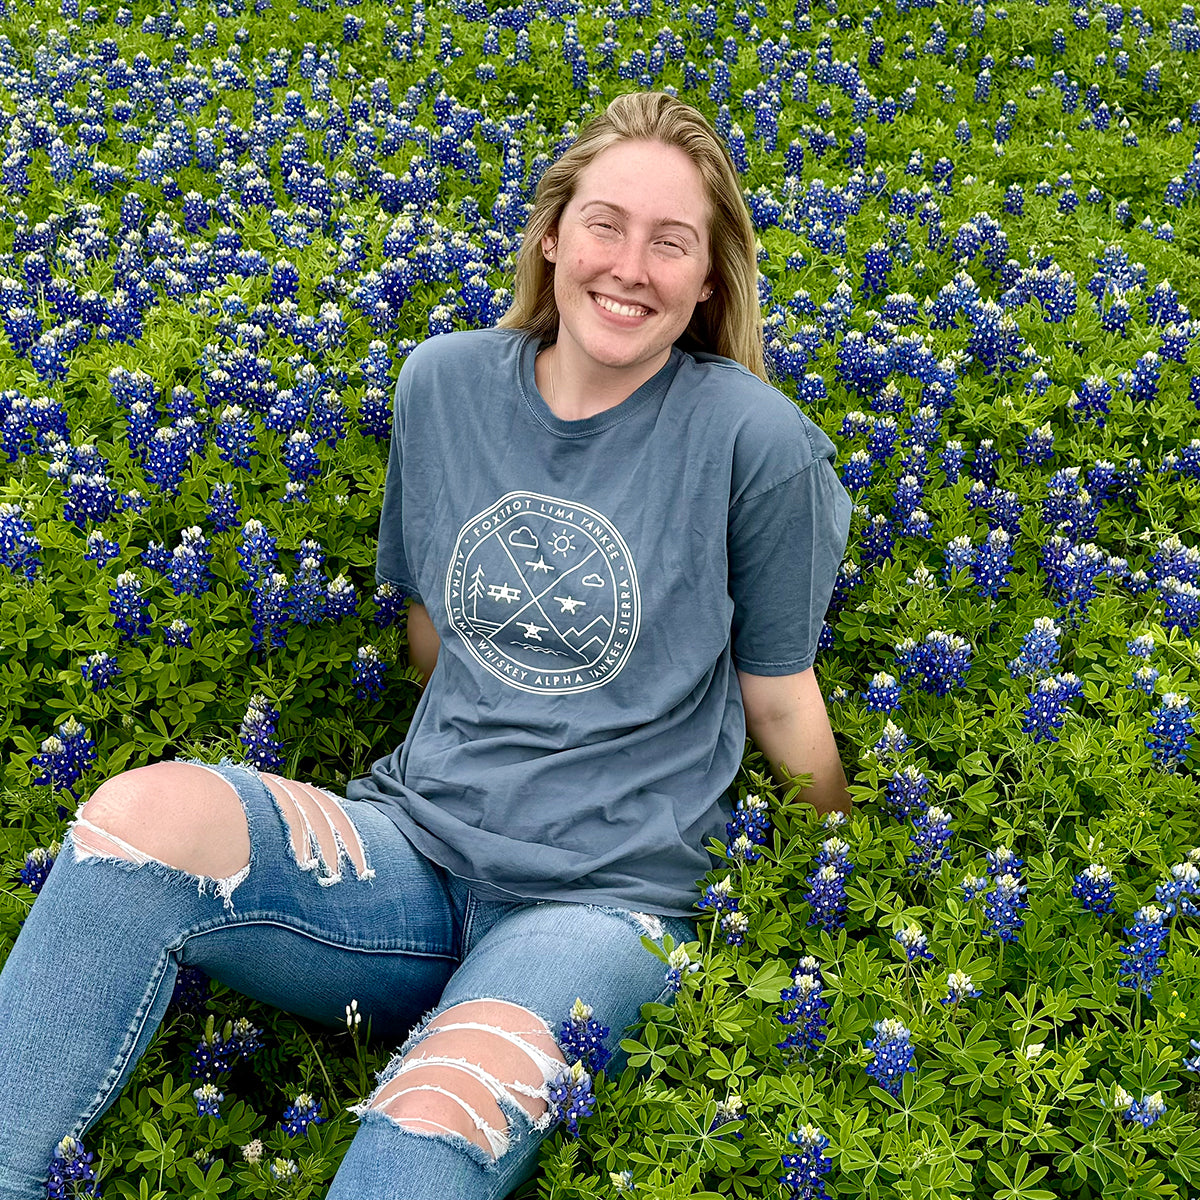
[[629, 265]]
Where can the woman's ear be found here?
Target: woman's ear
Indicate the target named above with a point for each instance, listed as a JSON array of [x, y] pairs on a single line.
[[550, 247], [706, 290]]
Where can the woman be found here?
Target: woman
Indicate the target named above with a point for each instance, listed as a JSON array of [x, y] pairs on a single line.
[[616, 543]]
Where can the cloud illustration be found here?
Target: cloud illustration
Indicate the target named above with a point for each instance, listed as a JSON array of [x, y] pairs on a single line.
[[592, 580], [519, 535]]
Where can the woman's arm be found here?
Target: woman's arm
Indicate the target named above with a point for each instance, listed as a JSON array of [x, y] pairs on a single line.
[[423, 641], [786, 718]]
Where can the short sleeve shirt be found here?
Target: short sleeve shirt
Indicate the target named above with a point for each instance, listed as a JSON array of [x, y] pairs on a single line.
[[595, 585]]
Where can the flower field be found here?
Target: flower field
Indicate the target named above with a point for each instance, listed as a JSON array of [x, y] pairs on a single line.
[[223, 227]]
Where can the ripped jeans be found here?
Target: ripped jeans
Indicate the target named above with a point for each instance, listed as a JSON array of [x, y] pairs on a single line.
[[91, 975]]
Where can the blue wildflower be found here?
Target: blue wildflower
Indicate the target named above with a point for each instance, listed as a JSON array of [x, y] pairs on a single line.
[[571, 1097], [389, 603], [18, 545], [1145, 1111], [369, 671], [883, 693], [1039, 650], [937, 664], [930, 836], [679, 964], [71, 1172], [803, 1169], [37, 867], [300, 1114], [959, 987], [914, 943], [891, 744], [99, 669], [748, 829], [581, 1038], [1094, 889], [257, 734], [177, 633], [257, 554], [893, 1055], [827, 885], [64, 757], [223, 510], [341, 601], [208, 1100], [805, 1015], [1171, 729], [906, 791], [1178, 893], [1002, 906]]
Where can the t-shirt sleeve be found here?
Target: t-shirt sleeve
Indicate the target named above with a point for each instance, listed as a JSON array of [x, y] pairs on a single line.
[[391, 563], [785, 546]]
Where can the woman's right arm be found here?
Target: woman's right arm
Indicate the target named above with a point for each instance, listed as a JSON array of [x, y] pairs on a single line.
[[423, 641]]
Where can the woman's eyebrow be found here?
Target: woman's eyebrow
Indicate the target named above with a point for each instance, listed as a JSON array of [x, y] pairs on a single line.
[[622, 212]]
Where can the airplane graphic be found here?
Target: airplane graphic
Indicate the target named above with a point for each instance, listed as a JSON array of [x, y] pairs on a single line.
[[570, 604], [504, 592], [533, 632], [541, 564]]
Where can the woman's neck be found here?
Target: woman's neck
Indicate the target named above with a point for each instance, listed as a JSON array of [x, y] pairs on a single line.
[[574, 393]]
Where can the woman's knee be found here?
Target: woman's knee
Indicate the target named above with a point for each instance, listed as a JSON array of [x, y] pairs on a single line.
[[178, 814]]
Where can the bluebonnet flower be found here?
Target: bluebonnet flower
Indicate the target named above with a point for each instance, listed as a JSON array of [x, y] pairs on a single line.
[[1181, 604], [891, 744], [1145, 679], [1047, 707], [257, 734], [37, 867], [803, 1169], [300, 457], [341, 600], [218, 1051], [99, 669], [1141, 646], [18, 545], [1143, 1112], [893, 1055], [1038, 446], [1171, 729], [571, 1097], [972, 885], [300, 1114], [284, 1168], [914, 943], [369, 671], [857, 471], [735, 926], [269, 605], [188, 573], [937, 664], [72, 1173], [1193, 1064], [1039, 650], [728, 1111], [223, 509], [679, 964], [191, 990], [1094, 889], [90, 496], [748, 829], [826, 884], [581, 1038], [1002, 906], [1092, 401], [719, 897], [389, 603], [805, 1018], [64, 757], [257, 554], [177, 633], [992, 563], [930, 836], [906, 791], [100, 549], [208, 1099], [958, 555], [1177, 894], [235, 437], [959, 987], [883, 693], [167, 458]]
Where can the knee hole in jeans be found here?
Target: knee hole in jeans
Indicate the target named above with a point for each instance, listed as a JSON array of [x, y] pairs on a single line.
[[469, 1060]]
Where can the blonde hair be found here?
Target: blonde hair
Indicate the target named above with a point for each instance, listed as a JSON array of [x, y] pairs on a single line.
[[729, 323]]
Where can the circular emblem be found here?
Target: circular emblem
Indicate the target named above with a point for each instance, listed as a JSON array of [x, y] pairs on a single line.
[[544, 593]]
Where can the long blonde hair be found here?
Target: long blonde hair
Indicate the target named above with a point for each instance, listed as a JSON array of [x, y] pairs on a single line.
[[730, 322]]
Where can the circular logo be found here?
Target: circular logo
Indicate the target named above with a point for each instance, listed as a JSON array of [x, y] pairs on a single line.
[[544, 593]]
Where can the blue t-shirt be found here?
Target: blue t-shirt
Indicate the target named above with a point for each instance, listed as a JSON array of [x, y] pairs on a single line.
[[594, 583]]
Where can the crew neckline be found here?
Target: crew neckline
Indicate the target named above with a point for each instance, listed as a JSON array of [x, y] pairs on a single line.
[[652, 390]]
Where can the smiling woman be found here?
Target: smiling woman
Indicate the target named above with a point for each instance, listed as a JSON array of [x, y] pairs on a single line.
[[619, 542]]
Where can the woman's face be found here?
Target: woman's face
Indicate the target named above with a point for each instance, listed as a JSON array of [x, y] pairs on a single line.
[[632, 260]]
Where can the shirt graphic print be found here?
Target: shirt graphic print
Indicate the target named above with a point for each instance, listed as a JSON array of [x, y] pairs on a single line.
[[544, 593]]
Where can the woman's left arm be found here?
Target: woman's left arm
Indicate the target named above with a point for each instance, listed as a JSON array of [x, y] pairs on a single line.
[[786, 718]]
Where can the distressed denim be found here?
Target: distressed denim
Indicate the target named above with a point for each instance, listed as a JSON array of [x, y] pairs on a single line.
[[91, 975]]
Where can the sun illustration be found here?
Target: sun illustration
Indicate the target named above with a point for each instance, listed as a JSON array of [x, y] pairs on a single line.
[[562, 542]]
